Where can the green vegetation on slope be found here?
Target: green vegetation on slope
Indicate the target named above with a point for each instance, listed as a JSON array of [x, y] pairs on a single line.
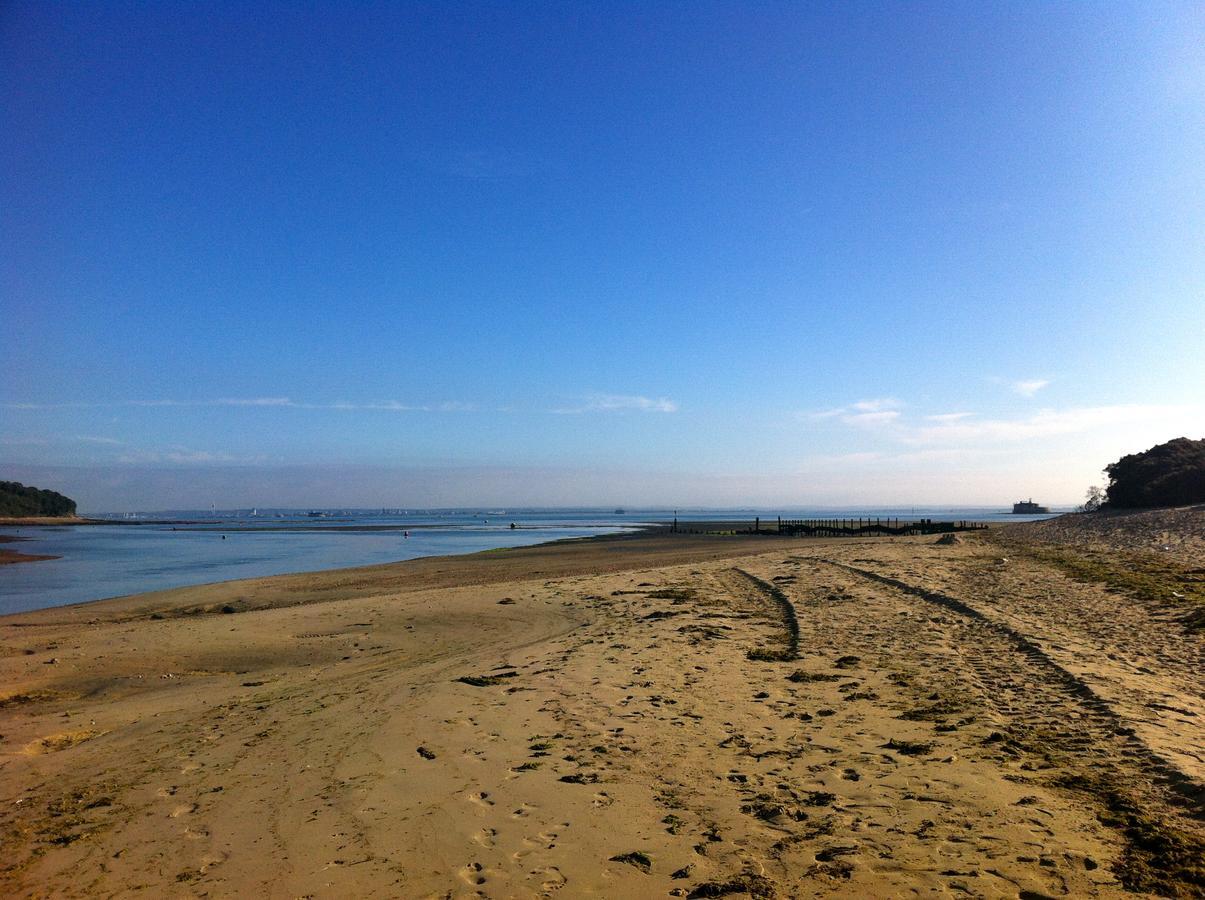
[[18, 500], [1169, 474]]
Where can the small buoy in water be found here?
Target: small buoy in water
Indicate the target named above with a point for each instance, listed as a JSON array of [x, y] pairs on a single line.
[[405, 534]]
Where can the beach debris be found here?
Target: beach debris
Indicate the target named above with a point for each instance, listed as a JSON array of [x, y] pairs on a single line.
[[799, 676], [580, 778], [757, 886], [485, 680], [947, 539], [764, 654], [662, 614], [425, 753], [909, 748], [635, 859], [934, 712], [831, 853], [33, 697], [767, 807], [847, 662], [861, 695]]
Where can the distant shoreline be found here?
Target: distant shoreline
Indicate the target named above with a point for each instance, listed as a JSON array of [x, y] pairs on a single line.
[[36, 521]]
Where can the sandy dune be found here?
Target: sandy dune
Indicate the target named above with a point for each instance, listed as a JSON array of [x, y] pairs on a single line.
[[613, 719]]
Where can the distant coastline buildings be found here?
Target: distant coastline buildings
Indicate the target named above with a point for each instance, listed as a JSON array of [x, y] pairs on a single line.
[[1028, 506]]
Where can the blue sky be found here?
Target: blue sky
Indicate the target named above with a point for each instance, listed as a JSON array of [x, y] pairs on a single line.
[[640, 253]]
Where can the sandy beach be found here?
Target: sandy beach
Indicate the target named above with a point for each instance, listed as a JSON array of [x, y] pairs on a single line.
[[630, 717]]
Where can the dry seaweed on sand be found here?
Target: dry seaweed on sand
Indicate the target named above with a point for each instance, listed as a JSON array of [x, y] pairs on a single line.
[[486, 680], [757, 886], [636, 859], [765, 654], [799, 676], [909, 748]]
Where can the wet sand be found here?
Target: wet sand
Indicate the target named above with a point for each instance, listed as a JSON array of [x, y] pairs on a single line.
[[635, 717], [7, 556]]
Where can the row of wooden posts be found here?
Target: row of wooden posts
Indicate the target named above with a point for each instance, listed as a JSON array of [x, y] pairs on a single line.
[[861, 527]]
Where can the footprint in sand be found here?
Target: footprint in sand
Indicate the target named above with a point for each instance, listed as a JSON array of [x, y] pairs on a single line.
[[523, 809], [182, 810], [483, 799], [553, 880], [485, 837], [602, 800], [545, 840], [473, 874]]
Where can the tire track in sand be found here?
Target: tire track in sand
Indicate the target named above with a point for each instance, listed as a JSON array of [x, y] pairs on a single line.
[[1098, 710]]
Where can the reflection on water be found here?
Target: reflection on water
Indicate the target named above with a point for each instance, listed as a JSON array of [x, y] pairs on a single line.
[[115, 560]]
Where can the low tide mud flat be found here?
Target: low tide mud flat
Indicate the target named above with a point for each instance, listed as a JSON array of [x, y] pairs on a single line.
[[661, 715]]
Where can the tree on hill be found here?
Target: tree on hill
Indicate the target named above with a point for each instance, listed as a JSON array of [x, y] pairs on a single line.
[[1170, 474], [18, 500], [1094, 499]]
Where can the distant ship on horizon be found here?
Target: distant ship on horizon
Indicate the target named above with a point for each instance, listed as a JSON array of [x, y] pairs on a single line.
[[1028, 506]]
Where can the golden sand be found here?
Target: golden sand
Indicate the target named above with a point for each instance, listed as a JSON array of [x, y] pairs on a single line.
[[644, 717]]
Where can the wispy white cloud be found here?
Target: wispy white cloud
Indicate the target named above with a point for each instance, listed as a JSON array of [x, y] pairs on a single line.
[[177, 455], [872, 419], [876, 411], [197, 456], [621, 403], [963, 428], [861, 459], [879, 404], [1046, 423], [23, 442], [1029, 388], [1025, 387], [95, 439], [253, 401]]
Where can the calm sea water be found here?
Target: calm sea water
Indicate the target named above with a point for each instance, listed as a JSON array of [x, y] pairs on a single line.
[[115, 560]]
